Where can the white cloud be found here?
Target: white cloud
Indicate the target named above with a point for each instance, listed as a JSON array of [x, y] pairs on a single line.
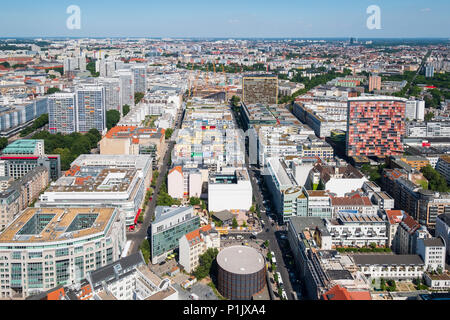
[[426, 10], [233, 21]]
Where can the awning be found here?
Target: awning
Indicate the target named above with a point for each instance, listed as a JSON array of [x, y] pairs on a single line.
[[137, 216]]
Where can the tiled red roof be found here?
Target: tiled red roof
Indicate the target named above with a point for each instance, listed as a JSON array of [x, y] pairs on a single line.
[[341, 293]]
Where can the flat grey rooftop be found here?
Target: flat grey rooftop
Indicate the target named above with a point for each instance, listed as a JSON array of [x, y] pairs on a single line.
[[240, 260], [388, 259]]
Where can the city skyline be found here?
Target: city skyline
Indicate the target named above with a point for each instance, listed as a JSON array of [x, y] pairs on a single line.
[[283, 19]]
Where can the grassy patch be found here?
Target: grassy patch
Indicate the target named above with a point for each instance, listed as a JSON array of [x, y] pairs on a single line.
[[213, 287]]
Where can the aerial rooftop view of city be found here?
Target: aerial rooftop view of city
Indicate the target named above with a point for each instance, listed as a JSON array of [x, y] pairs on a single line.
[[248, 152]]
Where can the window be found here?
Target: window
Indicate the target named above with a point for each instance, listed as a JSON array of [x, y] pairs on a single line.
[[62, 252], [62, 271]]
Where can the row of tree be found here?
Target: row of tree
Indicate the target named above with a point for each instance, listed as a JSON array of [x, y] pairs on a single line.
[[69, 147], [206, 265], [40, 122], [436, 182]]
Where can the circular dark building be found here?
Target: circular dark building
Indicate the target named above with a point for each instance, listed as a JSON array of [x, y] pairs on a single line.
[[241, 272]]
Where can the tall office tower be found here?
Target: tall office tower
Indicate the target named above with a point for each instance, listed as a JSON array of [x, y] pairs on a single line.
[[140, 75], [90, 108], [261, 88], [112, 93], [61, 113], [375, 126], [374, 83], [415, 110], [429, 71], [126, 87]]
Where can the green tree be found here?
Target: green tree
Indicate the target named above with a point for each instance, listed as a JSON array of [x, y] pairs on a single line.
[[321, 186], [206, 263], [91, 68], [66, 157], [235, 224], [436, 182], [5, 64], [169, 133], [126, 109], [429, 116], [112, 118], [193, 201], [138, 96], [3, 143], [235, 100], [53, 90], [96, 134], [145, 249]]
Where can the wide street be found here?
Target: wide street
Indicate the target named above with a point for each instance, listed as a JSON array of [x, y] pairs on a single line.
[[271, 231], [138, 236]]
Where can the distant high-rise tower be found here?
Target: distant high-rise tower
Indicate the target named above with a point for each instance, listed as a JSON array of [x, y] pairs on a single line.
[[260, 89], [61, 113], [90, 111], [140, 75], [415, 110], [429, 71], [374, 83], [375, 126], [112, 93], [126, 87]]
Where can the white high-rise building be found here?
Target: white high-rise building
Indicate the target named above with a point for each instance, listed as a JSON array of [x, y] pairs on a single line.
[[126, 87], [140, 75], [415, 110], [61, 113], [90, 108], [112, 93]]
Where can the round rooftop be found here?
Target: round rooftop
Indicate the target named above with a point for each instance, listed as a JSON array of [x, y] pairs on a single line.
[[240, 260]]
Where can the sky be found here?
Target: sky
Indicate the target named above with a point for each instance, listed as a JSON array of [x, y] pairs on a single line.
[[226, 18]]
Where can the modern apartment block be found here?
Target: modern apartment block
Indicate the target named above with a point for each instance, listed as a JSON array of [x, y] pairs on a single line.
[[126, 87], [62, 113], [415, 110], [118, 181], [169, 226], [140, 78], [90, 108], [374, 83], [112, 93], [423, 205], [432, 251], [323, 116], [15, 117], [433, 129], [443, 167], [47, 247], [261, 88], [375, 126]]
